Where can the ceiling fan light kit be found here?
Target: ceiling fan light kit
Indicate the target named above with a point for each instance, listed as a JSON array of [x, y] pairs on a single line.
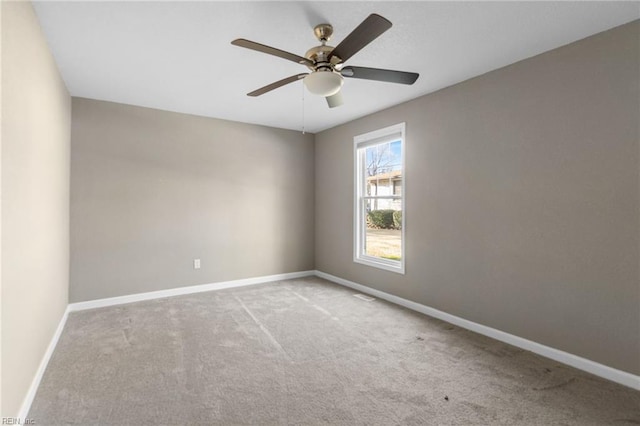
[[323, 82], [326, 62]]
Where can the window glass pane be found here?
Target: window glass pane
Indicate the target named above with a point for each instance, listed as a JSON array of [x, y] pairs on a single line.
[[383, 174], [383, 164], [383, 235]]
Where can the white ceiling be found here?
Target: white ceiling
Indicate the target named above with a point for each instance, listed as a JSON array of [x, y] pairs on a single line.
[[177, 56]]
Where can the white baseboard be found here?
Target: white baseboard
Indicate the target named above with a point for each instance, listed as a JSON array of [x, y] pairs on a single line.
[[35, 383], [120, 300], [601, 370]]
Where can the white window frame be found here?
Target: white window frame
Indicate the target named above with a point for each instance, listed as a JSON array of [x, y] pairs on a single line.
[[360, 142]]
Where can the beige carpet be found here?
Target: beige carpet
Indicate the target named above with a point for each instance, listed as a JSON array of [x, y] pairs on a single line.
[[305, 352]]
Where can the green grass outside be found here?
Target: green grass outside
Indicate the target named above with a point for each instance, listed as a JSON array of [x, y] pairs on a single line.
[[384, 243]]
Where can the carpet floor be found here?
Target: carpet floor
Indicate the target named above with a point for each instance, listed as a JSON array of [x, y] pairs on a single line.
[[305, 352]]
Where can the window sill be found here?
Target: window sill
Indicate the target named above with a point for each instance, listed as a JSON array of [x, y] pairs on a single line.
[[387, 265]]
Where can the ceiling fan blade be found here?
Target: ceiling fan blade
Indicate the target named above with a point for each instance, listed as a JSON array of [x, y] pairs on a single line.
[[335, 100], [364, 34], [378, 74], [248, 44], [279, 83]]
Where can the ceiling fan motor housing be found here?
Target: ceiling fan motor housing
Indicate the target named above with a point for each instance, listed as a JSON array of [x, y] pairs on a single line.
[[320, 57]]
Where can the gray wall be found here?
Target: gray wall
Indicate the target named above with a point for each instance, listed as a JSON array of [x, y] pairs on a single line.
[[522, 199], [36, 115], [152, 190]]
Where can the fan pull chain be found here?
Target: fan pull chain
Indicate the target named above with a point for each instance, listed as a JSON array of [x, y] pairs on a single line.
[[302, 85]]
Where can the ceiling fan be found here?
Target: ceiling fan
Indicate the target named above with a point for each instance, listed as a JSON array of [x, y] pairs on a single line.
[[327, 62]]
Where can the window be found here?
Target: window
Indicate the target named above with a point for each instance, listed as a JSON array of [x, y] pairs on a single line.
[[379, 198], [397, 186]]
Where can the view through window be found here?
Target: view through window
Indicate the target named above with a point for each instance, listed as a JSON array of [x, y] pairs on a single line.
[[379, 198]]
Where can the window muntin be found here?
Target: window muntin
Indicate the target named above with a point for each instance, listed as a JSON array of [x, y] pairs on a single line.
[[379, 201]]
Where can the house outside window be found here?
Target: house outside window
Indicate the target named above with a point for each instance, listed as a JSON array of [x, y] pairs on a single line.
[[379, 199]]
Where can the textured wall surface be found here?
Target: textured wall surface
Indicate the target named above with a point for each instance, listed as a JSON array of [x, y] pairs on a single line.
[[36, 116], [153, 190], [522, 199]]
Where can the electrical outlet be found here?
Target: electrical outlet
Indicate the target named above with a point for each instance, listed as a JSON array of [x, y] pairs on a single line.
[[196, 263]]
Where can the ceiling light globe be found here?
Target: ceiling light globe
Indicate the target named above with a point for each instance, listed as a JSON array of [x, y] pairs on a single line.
[[323, 83]]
